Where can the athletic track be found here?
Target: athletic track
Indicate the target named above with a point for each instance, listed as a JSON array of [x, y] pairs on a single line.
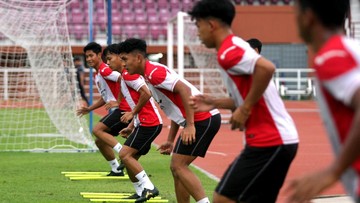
[[314, 149]]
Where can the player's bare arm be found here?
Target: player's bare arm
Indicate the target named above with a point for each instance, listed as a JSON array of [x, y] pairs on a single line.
[[203, 103], [188, 133], [128, 130], [262, 75], [167, 147], [85, 110], [305, 188], [145, 95]]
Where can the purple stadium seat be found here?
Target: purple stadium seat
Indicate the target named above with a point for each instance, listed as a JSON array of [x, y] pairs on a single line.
[[139, 10], [141, 17], [138, 4], [153, 18], [75, 4], [128, 30], [187, 5], [142, 31], [274, 1], [286, 1], [128, 18], [175, 5], [163, 4], [116, 29], [77, 18], [262, 2], [250, 2], [157, 30], [116, 17], [125, 4], [78, 31], [238, 1], [150, 4]]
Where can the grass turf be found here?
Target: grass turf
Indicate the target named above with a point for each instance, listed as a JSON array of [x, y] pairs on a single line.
[[36, 177]]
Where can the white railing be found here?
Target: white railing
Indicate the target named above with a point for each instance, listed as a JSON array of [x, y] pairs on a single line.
[[291, 83]]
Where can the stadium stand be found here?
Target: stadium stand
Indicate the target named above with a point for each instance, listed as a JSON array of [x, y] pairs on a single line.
[[142, 18]]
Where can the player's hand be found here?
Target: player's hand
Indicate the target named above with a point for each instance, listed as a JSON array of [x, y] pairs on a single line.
[[188, 134], [239, 118], [111, 104], [126, 132], [127, 117], [201, 103], [166, 148], [306, 188], [82, 111]]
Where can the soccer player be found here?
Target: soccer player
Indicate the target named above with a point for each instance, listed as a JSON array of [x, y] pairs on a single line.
[[145, 126], [337, 67], [109, 126], [258, 173], [255, 44], [173, 93]]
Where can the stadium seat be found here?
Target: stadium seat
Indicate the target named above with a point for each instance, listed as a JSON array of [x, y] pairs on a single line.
[[175, 5], [77, 18], [143, 31], [187, 5], [138, 4], [286, 1], [78, 31], [274, 1], [157, 30], [238, 1], [262, 2], [150, 4], [125, 4], [250, 2], [163, 4], [141, 17]]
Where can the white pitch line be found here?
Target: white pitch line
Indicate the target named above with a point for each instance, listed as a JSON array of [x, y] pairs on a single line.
[[303, 110], [217, 153]]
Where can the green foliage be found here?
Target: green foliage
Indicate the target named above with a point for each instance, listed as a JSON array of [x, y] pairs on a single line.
[[36, 177]]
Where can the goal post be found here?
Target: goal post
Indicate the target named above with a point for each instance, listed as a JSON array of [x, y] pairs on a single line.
[[194, 61], [38, 87]]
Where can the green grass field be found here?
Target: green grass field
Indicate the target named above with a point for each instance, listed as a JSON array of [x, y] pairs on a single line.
[[36, 177]]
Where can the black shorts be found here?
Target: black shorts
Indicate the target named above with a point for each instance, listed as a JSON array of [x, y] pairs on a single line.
[[112, 121], [205, 132], [142, 137], [257, 174]]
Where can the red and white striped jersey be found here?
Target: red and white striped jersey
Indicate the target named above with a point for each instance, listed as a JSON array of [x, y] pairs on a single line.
[[269, 123], [337, 67], [149, 114], [161, 82], [108, 86]]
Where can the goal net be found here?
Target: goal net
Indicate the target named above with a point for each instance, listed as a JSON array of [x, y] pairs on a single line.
[[38, 87], [192, 59]]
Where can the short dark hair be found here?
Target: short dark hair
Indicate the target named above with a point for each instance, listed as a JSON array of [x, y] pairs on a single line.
[[332, 13], [111, 49], [255, 43], [224, 10], [93, 46], [133, 44]]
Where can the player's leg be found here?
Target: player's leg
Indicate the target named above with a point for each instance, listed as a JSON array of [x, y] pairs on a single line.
[[185, 179], [182, 195], [136, 145], [105, 130], [256, 175], [184, 155]]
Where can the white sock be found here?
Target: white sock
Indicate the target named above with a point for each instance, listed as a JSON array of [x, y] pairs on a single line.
[[114, 164], [117, 147], [204, 200], [144, 180], [138, 188]]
